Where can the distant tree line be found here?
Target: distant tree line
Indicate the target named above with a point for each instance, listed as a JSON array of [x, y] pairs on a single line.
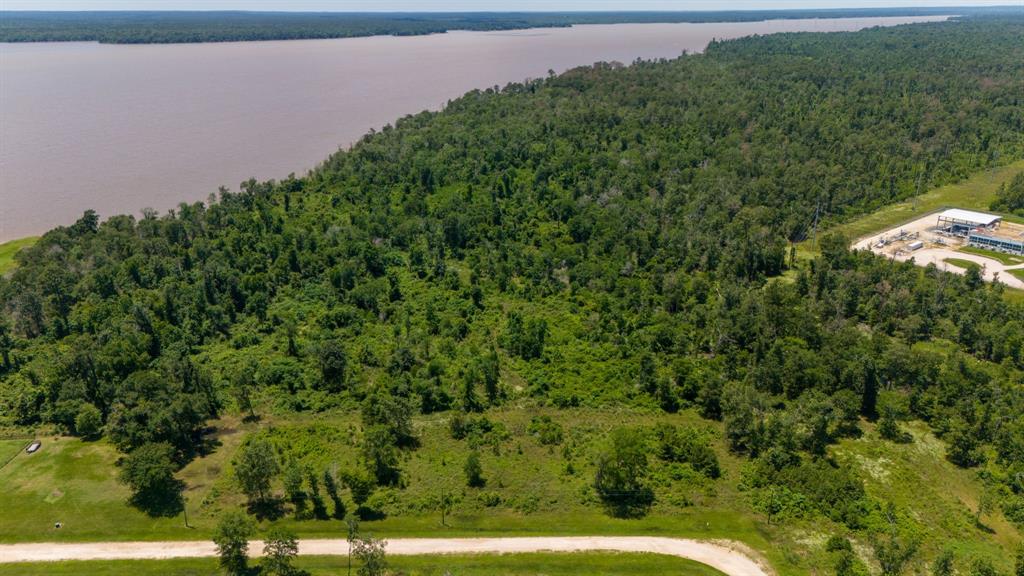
[[155, 27]]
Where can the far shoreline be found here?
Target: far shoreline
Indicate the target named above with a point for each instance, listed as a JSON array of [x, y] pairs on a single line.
[[586, 19], [918, 19]]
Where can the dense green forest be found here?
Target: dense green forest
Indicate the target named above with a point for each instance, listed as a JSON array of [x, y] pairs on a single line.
[[171, 27], [613, 237]]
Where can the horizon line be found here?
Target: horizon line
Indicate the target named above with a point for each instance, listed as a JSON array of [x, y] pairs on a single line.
[[608, 11]]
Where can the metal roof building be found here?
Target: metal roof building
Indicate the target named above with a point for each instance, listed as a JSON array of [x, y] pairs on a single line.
[[961, 222], [968, 218]]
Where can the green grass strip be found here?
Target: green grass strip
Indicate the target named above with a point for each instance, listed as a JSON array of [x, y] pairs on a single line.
[[547, 564]]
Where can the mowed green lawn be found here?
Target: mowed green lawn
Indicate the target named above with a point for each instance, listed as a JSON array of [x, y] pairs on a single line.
[[8, 249], [961, 263], [10, 448], [591, 564], [75, 483]]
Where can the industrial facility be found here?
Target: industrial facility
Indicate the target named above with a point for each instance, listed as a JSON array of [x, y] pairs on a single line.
[[961, 222]]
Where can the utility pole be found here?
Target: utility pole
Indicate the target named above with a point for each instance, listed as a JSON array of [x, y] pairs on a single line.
[[917, 193], [817, 210], [353, 531], [444, 505]]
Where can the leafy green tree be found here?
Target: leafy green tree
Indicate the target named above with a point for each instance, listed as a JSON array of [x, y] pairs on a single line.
[[986, 503], [525, 338], [279, 551], [333, 362], [889, 428], [621, 473], [547, 431], [319, 508], [445, 503], [6, 345], [255, 468], [232, 540], [772, 501], [490, 368], [835, 249], [89, 421], [372, 556], [169, 406], [962, 446], [293, 489], [381, 455], [242, 386], [894, 553], [360, 485], [149, 473], [470, 401], [331, 485], [1010, 196], [687, 445], [647, 377], [393, 413], [744, 411], [474, 471]]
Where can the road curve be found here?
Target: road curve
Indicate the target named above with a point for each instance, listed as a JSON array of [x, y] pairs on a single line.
[[725, 556]]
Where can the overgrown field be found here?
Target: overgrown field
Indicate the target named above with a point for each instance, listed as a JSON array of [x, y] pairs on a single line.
[[530, 489]]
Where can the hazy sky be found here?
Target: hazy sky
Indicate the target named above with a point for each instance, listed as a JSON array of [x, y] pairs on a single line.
[[481, 5]]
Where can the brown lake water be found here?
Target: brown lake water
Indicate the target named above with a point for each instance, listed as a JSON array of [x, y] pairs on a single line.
[[120, 128]]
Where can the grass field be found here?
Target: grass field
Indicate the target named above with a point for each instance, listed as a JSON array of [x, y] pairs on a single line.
[[592, 564], [9, 449], [1008, 259], [961, 263], [8, 249], [1017, 273], [73, 482]]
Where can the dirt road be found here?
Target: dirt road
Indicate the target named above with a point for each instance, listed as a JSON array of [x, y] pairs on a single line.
[[728, 557]]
